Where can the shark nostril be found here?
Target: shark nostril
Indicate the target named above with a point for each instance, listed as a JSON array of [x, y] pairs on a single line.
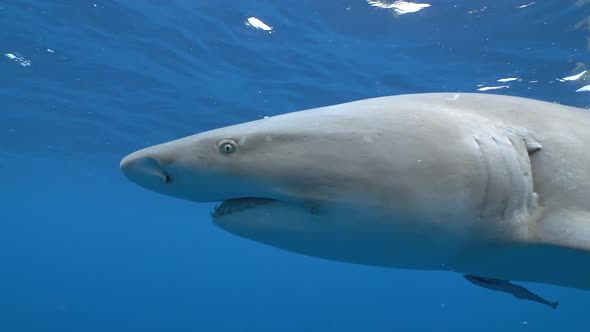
[[144, 169]]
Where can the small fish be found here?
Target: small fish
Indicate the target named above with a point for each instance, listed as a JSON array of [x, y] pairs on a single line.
[[507, 287]]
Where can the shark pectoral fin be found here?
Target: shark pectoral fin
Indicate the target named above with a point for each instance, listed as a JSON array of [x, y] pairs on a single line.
[[566, 228]]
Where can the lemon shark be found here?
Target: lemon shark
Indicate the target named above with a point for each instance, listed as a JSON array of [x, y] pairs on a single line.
[[483, 185]]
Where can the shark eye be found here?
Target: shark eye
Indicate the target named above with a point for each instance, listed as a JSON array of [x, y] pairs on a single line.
[[227, 146]]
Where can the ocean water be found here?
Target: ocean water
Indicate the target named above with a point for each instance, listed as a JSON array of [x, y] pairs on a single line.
[[83, 83]]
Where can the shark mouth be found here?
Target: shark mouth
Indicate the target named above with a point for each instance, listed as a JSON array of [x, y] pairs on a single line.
[[239, 204]]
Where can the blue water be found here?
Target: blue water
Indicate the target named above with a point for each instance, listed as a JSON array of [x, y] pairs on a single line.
[[83, 83]]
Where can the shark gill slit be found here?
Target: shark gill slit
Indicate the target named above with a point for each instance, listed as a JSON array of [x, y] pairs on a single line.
[[485, 167], [505, 195]]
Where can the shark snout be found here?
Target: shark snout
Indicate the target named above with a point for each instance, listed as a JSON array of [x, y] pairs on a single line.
[[145, 170]]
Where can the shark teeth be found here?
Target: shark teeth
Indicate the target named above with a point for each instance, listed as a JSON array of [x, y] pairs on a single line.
[[238, 204]]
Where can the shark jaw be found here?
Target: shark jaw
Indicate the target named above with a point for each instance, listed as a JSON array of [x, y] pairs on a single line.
[[237, 205]]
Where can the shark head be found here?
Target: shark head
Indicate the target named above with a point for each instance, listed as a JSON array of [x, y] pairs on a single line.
[[271, 176], [341, 182], [288, 180]]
